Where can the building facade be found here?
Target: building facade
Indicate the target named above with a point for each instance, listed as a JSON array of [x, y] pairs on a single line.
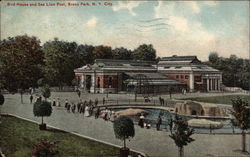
[[191, 71], [113, 76]]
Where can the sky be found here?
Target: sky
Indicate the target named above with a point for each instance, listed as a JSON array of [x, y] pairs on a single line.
[[172, 27]]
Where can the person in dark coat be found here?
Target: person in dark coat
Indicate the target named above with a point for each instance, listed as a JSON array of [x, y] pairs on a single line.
[[68, 107], [171, 125], [103, 101], [141, 121], [31, 98], [96, 102], [73, 107], [66, 103], [158, 123], [54, 102], [97, 113], [160, 100], [78, 107]]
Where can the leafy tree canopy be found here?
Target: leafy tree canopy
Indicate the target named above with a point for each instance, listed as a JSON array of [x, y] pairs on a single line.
[[123, 128], [21, 60], [235, 71], [241, 112], [145, 52], [102, 52], [46, 91], [182, 133], [122, 53], [60, 62], [42, 108]]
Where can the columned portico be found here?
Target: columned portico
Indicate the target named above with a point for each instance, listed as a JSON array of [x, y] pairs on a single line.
[[191, 83]]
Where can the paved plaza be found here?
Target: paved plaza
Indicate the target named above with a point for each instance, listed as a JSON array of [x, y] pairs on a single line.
[[149, 141]]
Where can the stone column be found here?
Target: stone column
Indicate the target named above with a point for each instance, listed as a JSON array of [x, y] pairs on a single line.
[[210, 84], [213, 84], [219, 81], [216, 84], [191, 82], [82, 81], [207, 84]]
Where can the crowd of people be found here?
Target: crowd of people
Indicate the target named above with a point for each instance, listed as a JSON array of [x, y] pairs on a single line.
[[91, 108]]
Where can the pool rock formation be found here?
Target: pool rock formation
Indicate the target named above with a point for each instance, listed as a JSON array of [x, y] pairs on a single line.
[[191, 108]]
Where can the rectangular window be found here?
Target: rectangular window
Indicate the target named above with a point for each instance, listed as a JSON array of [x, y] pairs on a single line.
[[186, 77], [177, 76], [182, 77]]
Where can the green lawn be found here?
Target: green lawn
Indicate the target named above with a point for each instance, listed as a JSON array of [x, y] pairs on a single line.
[[219, 99], [17, 138]]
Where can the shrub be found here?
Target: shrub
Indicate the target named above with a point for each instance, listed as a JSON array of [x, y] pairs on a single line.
[[124, 128], [42, 108]]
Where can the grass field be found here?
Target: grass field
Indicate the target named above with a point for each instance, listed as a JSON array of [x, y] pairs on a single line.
[[219, 99], [17, 138]]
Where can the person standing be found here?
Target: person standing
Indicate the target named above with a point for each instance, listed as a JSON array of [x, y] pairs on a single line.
[[68, 107], [97, 113], [54, 102], [96, 102], [66, 103], [31, 98], [158, 123], [78, 106], [141, 121], [86, 113], [160, 100], [103, 101], [171, 125], [73, 107], [58, 102]]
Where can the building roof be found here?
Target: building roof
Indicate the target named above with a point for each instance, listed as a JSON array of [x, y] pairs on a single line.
[[179, 58], [183, 63], [118, 65]]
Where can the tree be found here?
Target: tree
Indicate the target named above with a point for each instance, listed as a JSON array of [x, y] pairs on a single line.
[[85, 53], [124, 128], [1, 99], [145, 52], [122, 53], [241, 112], [46, 91], [21, 61], [42, 109], [213, 57], [102, 52], [181, 135], [235, 71], [61, 59]]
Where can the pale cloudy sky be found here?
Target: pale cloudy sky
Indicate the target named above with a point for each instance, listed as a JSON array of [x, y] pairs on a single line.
[[173, 27]]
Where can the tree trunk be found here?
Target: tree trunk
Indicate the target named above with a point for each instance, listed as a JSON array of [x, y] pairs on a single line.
[[21, 93], [243, 141], [181, 152], [124, 140]]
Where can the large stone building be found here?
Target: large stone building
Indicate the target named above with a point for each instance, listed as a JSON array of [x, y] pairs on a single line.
[[191, 71], [113, 76], [171, 73]]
